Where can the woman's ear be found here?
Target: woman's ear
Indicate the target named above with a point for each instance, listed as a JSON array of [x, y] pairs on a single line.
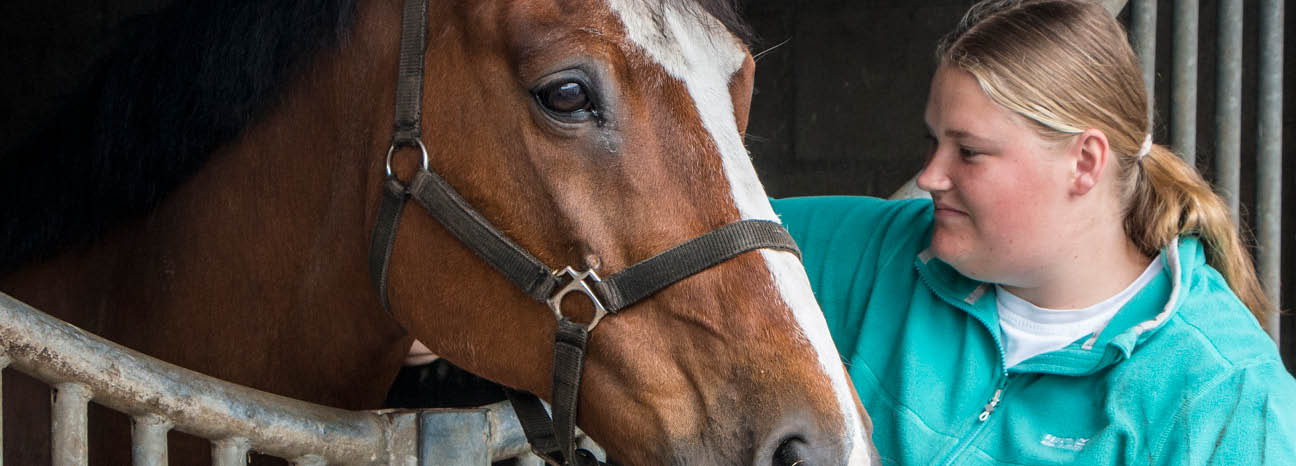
[[1090, 154]]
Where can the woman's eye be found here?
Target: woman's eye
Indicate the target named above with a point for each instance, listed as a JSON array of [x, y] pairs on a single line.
[[564, 97], [966, 153]]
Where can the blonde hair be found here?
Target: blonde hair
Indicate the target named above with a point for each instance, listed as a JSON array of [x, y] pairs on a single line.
[[1067, 66]]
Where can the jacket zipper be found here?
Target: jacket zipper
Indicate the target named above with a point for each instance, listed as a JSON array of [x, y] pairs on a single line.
[[989, 407], [980, 424], [991, 404]]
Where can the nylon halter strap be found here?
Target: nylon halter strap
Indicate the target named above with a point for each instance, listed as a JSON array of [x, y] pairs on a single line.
[[554, 441]]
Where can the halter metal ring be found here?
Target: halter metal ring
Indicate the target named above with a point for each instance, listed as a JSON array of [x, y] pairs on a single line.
[[392, 149], [577, 283]]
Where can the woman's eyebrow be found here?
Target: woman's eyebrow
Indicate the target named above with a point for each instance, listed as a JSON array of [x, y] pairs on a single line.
[[967, 136], [958, 133]]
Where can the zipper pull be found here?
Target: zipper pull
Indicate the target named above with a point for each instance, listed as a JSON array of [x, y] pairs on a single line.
[[990, 407]]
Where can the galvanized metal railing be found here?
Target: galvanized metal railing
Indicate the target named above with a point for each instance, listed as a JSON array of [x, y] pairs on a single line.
[[1228, 112], [1269, 154], [160, 396]]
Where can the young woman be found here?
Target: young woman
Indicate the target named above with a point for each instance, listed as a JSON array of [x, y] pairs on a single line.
[[1071, 294]]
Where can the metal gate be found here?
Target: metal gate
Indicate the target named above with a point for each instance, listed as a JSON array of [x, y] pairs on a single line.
[[1228, 112], [159, 396]]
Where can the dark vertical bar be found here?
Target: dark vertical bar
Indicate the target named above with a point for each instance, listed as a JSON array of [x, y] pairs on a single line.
[[4, 362], [231, 451], [1183, 104], [149, 440], [68, 426], [1269, 156], [1228, 105], [1143, 27]]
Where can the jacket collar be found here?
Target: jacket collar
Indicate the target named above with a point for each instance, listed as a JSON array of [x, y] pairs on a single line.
[[1137, 321]]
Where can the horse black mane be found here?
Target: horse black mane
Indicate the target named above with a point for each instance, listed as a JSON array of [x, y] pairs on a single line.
[[183, 82], [729, 14]]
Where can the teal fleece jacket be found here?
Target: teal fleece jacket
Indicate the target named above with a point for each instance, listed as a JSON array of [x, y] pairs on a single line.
[[1182, 375]]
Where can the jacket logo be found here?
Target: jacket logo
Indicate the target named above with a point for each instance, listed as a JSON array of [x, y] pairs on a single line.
[[1065, 443]]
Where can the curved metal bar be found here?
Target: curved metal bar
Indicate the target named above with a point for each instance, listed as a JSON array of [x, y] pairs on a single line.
[[505, 438], [128, 381], [454, 437], [161, 395]]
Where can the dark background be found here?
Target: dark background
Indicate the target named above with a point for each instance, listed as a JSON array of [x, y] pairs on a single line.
[[840, 90]]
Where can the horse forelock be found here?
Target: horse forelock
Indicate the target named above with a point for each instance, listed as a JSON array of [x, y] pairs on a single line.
[[695, 49], [725, 12]]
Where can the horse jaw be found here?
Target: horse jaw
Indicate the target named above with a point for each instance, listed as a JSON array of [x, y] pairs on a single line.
[[704, 56]]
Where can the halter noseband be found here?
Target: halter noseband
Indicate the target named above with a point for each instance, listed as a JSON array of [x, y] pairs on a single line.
[[554, 441]]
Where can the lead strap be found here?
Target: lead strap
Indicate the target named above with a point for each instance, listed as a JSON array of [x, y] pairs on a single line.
[[569, 358]]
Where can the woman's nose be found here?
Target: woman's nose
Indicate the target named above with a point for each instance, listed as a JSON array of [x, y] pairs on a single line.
[[934, 176]]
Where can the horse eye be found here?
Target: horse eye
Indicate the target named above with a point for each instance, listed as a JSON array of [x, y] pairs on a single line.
[[564, 97]]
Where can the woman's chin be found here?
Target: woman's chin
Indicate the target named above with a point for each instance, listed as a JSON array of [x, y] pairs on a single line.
[[958, 254], [948, 246]]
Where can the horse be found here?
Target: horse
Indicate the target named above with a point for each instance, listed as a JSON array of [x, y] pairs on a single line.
[[211, 202]]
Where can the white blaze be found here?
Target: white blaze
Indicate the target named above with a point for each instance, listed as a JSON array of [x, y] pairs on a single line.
[[700, 52]]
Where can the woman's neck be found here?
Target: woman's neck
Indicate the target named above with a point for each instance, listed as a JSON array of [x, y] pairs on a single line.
[[1100, 262]]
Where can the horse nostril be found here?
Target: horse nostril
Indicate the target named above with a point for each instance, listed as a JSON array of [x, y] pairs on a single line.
[[792, 452]]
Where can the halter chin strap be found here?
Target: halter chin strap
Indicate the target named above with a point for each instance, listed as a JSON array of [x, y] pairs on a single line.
[[552, 440]]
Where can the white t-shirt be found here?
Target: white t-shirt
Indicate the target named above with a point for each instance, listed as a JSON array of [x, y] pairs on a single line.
[[1030, 330]]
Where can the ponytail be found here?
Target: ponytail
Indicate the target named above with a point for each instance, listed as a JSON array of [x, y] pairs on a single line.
[[1168, 198]]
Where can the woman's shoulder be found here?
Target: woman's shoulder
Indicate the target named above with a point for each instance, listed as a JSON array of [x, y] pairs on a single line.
[[1206, 372], [833, 226], [1220, 387], [861, 204], [860, 214], [1218, 332], [1210, 316], [1211, 350]]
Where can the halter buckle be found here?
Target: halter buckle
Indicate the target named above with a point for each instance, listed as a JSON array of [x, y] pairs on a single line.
[[577, 283]]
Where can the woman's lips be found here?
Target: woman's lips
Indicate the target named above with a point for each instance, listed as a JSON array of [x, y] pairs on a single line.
[[947, 211]]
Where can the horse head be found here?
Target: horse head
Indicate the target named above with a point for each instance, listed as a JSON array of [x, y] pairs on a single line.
[[597, 134], [229, 167]]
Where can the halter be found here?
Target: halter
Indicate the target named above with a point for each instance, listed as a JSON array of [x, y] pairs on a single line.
[[552, 440]]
